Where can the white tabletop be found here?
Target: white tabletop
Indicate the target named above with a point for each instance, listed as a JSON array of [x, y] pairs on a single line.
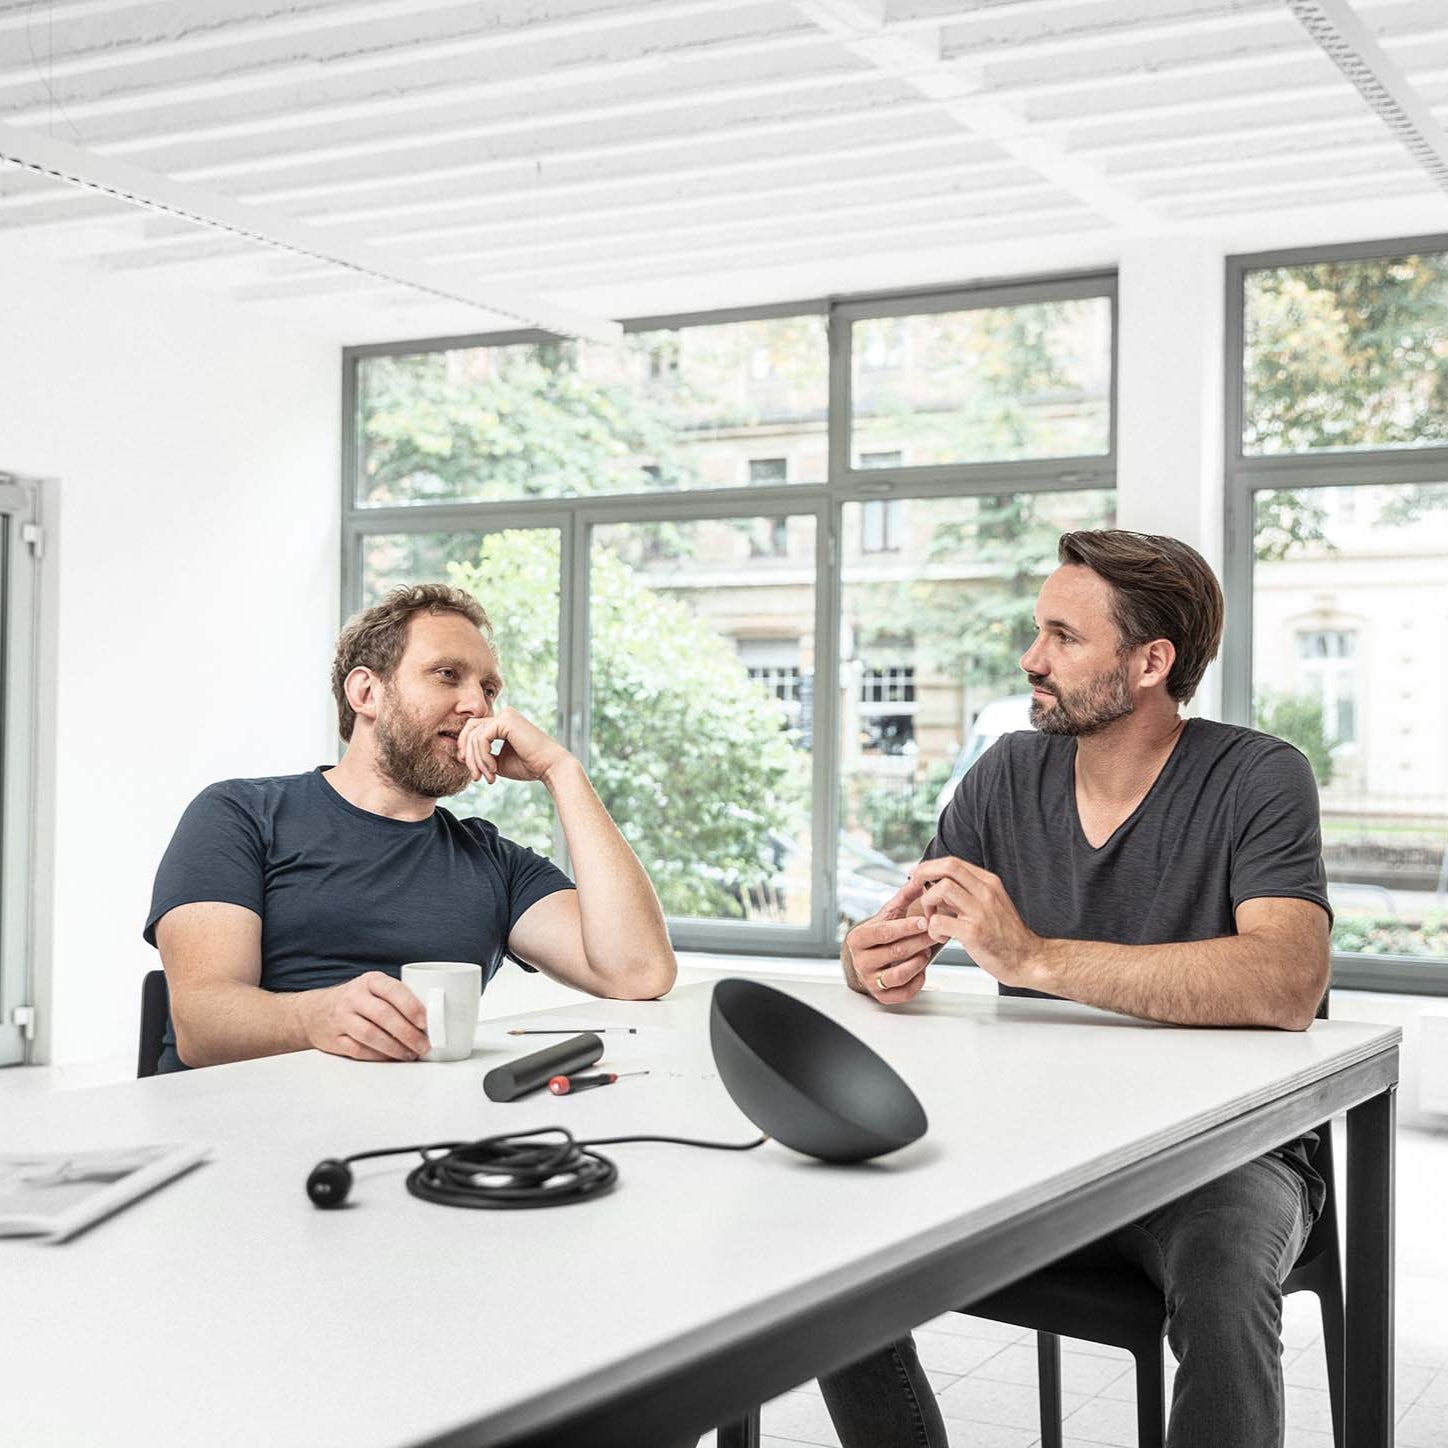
[[227, 1309]]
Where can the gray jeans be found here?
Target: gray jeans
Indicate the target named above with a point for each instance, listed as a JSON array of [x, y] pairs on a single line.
[[1219, 1255]]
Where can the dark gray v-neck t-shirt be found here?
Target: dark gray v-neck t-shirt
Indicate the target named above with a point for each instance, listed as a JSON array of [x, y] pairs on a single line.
[[1232, 816]]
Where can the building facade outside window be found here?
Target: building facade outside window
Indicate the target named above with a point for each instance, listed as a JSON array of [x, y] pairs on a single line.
[[1326, 669], [763, 472], [1337, 494], [887, 709], [769, 669], [882, 519]]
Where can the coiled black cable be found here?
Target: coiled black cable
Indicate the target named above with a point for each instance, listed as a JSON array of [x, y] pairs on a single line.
[[546, 1167]]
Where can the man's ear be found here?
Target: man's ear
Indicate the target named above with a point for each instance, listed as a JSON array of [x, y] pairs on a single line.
[[1157, 658], [364, 692]]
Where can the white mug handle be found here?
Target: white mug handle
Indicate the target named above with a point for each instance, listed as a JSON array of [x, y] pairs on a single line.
[[437, 1018]]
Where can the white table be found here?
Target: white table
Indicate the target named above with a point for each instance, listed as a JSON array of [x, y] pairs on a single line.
[[226, 1309]]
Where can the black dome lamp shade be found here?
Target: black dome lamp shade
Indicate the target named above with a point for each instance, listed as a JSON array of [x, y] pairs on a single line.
[[804, 1080]]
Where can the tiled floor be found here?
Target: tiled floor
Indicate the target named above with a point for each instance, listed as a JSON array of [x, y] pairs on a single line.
[[985, 1374]]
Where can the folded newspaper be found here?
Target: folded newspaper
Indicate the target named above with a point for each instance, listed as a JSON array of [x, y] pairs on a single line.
[[57, 1194]]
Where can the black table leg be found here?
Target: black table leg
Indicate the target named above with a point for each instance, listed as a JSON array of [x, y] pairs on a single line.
[[1369, 1286], [741, 1434]]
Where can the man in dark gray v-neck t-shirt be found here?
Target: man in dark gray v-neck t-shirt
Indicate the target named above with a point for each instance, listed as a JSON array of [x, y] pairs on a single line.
[[1232, 816], [1163, 868]]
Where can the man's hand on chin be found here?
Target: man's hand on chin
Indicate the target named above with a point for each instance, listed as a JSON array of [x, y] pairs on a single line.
[[527, 753], [969, 905]]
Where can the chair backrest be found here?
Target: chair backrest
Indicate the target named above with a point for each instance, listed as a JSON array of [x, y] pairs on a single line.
[[155, 1005]]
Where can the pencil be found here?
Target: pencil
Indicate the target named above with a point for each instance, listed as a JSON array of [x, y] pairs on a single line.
[[571, 1030]]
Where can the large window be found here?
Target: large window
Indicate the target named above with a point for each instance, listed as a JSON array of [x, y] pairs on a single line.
[[984, 384], [669, 409], [701, 763], [762, 572], [1338, 553]]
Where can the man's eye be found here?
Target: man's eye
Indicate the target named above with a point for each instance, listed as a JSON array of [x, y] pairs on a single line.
[[447, 673]]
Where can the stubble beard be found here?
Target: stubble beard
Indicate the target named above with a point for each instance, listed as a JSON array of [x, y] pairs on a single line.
[[1089, 709], [412, 755]]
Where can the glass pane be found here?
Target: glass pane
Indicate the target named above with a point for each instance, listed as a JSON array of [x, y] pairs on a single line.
[[697, 407], [701, 717], [931, 637], [514, 574], [989, 385], [1349, 594], [1346, 354]]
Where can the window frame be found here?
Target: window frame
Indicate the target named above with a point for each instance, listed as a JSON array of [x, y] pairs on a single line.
[[824, 501], [1246, 475]]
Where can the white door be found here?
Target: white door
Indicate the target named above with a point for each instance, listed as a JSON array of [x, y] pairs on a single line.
[[21, 547]]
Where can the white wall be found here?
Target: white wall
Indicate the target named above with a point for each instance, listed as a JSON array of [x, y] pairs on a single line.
[[196, 453], [1169, 392]]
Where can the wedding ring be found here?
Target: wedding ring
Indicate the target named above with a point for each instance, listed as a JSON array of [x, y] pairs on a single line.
[[880, 983]]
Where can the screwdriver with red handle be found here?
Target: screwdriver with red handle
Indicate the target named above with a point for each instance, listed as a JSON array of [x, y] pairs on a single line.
[[563, 1085]]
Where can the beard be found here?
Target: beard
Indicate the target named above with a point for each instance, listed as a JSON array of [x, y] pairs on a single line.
[[1086, 710], [414, 756]]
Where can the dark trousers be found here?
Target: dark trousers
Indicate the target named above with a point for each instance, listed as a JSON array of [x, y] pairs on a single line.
[[1219, 1255]]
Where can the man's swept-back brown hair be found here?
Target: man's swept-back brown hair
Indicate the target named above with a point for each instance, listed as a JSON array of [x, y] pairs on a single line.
[[1160, 589], [375, 638]]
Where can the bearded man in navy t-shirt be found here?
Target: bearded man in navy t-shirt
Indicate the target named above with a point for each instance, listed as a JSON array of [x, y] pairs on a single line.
[[284, 908], [1167, 868]]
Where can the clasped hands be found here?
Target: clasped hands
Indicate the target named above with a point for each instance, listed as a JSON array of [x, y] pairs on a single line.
[[952, 900]]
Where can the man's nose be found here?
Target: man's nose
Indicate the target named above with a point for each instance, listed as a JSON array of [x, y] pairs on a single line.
[[1030, 660], [475, 703]]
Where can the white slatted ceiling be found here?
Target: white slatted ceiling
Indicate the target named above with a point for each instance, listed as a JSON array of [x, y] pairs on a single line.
[[579, 148]]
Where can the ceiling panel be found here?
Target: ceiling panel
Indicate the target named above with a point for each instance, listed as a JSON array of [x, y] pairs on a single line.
[[558, 146]]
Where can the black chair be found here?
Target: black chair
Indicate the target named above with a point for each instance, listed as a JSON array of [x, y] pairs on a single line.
[[1121, 1307], [155, 1005]]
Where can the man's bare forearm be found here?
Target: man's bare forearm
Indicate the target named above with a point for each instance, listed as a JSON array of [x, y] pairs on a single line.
[[1235, 980], [221, 1021], [624, 935]]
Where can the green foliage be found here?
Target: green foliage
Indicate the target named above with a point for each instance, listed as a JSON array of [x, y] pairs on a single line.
[[687, 753], [1411, 503], [510, 422], [1347, 354], [1387, 935], [1297, 718], [1288, 519], [990, 385], [898, 815], [1339, 355]]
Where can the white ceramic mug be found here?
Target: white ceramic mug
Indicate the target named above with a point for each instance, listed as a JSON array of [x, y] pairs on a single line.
[[450, 991]]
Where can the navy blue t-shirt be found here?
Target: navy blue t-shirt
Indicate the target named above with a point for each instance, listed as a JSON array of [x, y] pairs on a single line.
[[340, 890]]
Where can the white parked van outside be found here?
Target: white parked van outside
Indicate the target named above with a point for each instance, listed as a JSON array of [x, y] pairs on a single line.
[[1000, 716]]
